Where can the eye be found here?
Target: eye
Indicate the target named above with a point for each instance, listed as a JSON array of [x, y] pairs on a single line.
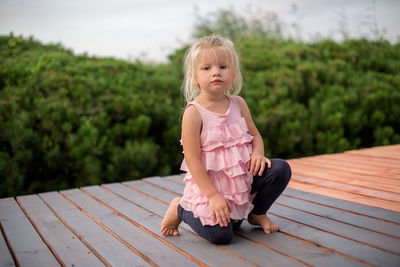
[[205, 68], [223, 66]]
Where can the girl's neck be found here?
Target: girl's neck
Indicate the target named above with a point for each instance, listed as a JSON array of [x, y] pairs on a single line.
[[211, 98], [217, 104]]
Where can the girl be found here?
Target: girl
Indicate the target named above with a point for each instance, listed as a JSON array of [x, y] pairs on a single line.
[[227, 179]]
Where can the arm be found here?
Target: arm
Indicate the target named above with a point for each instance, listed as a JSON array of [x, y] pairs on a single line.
[[257, 158], [191, 127]]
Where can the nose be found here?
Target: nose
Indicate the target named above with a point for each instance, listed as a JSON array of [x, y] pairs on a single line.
[[216, 72]]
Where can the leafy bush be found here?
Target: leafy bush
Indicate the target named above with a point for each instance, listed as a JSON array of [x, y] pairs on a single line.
[[71, 120], [68, 121]]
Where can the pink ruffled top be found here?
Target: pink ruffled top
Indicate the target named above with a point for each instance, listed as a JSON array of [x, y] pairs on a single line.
[[225, 150]]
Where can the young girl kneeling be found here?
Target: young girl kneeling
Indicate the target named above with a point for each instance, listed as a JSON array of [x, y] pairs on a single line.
[[228, 178]]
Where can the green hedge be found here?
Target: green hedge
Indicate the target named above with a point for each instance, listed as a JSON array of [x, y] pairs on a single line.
[[71, 120]]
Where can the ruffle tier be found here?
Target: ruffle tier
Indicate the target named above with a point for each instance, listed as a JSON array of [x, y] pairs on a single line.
[[231, 160], [237, 191], [202, 211], [225, 136]]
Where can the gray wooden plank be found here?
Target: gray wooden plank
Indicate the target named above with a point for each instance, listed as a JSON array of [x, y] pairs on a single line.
[[147, 244], [167, 184], [352, 248], [371, 211], [331, 241], [343, 216], [152, 190], [188, 242], [253, 252], [177, 178], [70, 250], [376, 212], [29, 249], [304, 251], [277, 241], [110, 249], [362, 235], [348, 231], [5, 255]]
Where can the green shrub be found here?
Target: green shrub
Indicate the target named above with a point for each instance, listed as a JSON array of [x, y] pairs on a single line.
[[70, 120]]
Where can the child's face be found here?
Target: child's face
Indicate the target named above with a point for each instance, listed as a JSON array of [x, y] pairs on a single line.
[[214, 71]]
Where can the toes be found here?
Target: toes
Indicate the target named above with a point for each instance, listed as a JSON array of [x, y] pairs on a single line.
[[267, 229], [169, 232]]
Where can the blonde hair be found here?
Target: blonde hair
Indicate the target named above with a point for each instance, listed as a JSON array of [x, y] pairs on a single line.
[[190, 87]]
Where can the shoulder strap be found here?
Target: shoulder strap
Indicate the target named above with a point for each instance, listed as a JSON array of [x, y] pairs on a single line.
[[200, 110], [234, 104]]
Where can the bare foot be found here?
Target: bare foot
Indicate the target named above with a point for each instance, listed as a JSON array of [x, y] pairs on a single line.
[[171, 221], [264, 222]]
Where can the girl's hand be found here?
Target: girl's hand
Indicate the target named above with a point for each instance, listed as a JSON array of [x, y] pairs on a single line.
[[256, 164], [220, 209]]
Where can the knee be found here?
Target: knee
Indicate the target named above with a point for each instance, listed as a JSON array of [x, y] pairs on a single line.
[[282, 169], [221, 237]]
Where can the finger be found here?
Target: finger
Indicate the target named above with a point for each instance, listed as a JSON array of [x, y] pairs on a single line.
[[262, 168], [227, 215], [213, 217], [269, 163], [248, 165], [256, 168], [220, 220], [223, 218], [251, 163]]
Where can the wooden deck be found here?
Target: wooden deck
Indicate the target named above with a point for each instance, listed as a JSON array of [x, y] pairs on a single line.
[[119, 224], [369, 176]]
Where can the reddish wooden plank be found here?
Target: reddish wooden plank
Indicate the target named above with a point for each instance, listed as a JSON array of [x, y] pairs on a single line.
[[386, 191], [390, 152], [65, 244], [386, 179], [316, 189], [359, 190], [389, 165], [26, 244], [372, 177], [352, 165]]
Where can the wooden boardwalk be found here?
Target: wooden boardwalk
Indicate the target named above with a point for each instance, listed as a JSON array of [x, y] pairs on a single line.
[[369, 176], [119, 224]]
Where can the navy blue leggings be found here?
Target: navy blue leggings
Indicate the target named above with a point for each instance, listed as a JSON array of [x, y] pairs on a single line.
[[268, 187]]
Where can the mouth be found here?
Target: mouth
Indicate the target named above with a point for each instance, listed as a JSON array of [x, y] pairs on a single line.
[[217, 81]]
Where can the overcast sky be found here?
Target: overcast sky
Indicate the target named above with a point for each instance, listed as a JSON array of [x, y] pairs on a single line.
[[151, 29]]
